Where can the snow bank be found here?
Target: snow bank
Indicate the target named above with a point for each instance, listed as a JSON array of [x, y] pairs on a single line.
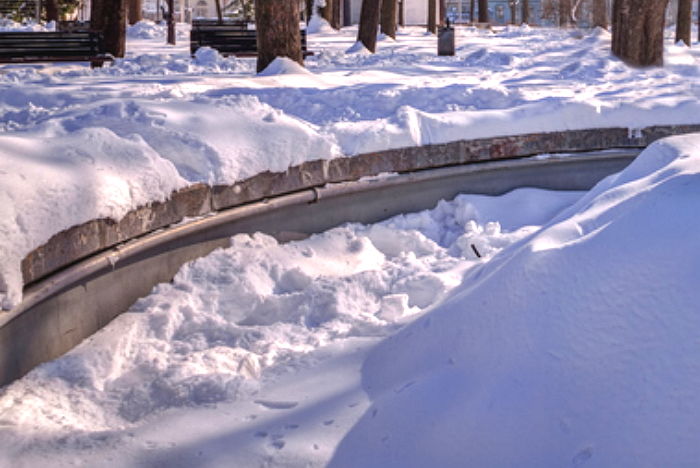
[[217, 122], [242, 316], [576, 345]]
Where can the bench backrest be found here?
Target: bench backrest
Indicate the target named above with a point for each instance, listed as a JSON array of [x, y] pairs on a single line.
[[36, 45], [228, 40]]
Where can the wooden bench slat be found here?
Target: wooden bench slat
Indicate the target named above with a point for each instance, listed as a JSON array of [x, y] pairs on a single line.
[[18, 47]]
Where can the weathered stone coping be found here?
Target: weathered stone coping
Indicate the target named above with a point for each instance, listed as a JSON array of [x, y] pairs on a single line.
[[79, 242]]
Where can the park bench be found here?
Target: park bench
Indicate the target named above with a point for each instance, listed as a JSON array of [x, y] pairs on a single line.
[[73, 26], [230, 39], [30, 47]]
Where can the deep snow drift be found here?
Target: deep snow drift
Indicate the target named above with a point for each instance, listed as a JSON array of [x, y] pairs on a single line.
[[580, 344], [232, 326], [180, 120]]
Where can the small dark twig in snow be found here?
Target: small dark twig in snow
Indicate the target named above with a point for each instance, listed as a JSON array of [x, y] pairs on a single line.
[[476, 251]]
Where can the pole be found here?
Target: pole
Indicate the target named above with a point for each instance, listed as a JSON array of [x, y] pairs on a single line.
[[171, 22]]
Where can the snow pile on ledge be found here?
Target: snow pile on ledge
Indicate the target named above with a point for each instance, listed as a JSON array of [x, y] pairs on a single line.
[[578, 345]]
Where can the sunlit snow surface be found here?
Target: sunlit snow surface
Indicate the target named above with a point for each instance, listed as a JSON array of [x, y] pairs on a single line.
[[179, 120], [232, 325]]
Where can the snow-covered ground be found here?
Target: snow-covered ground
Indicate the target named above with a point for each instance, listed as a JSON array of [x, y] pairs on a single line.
[[571, 340], [97, 143]]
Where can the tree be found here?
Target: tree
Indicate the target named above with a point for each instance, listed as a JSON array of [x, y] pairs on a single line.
[[684, 21], [388, 18], [331, 13], [525, 13], [513, 10], [472, 6], [638, 31], [309, 9], [432, 22], [135, 11], [170, 19], [369, 21], [600, 14], [277, 31], [432, 17], [109, 16], [483, 11], [565, 13], [442, 12], [52, 10]]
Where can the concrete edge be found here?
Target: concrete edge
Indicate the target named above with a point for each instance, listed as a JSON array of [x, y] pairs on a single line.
[[79, 242]]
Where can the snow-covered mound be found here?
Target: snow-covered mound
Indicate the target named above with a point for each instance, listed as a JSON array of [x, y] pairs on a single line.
[[235, 320], [578, 345]]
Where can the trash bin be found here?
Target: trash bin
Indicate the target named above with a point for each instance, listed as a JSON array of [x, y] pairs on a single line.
[[446, 40]]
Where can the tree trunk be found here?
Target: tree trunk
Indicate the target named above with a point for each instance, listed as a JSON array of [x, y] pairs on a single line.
[[219, 13], [369, 20], [483, 11], [526, 11], [327, 12], [513, 11], [109, 16], [52, 10], [331, 13], [135, 8], [171, 23], [278, 34], [442, 12], [432, 23], [309, 9], [402, 15], [564, 13], [388, 18], [638, 31], [685, 13], [472, 6], [337, 10], [600, 14]]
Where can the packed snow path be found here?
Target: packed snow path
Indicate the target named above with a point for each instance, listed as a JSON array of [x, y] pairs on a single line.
[[97, 143]]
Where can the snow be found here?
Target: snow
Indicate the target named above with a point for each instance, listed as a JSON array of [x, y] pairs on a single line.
[[569, 340], [518, 80], [233, 326], [579, 344]]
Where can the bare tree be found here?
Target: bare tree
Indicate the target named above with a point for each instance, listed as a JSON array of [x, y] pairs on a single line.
[[109, 16], [52, 10], [369, 21], [513, 4], [684, 21], [525, 11], [402, 13], [135, 8], [638, 31], [331, 13], [388, 18], [442, 12], [309, 9], [483, 11], [277, 29], [432, 21], [600, 14], [170, 21], [565, 8], [472, 6]]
